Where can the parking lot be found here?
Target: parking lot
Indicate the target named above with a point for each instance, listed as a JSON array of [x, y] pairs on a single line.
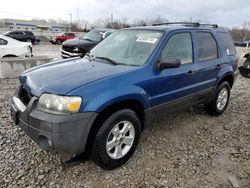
[[47, 49], [189, 149]]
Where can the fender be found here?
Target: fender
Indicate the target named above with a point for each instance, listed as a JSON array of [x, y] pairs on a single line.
[[225, 71], [107, 98]]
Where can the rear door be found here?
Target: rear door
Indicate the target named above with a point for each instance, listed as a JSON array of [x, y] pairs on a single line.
[[209, 61], [228, 49], [173, 88]]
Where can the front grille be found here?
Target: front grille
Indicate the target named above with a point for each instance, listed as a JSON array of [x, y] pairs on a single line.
[[71, 49], [24, 96], [68, 48]]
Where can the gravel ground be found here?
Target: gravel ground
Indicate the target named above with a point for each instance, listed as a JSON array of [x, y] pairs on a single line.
[[189, 149], [47, 49]]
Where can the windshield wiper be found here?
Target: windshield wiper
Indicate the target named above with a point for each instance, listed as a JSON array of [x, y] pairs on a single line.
[[109, 60]]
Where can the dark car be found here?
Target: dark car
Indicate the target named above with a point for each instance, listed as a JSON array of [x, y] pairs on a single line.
[[100, 103], [245, 68], [24, 36], [243, 43], [37, 39], [82, 45]]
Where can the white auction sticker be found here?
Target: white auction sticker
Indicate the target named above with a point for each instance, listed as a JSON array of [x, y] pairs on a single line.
[[146, 39]]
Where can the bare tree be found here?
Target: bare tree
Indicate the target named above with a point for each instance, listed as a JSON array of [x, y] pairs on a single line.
[[160, 19], [245, 30], [84, 24], [241, 33]]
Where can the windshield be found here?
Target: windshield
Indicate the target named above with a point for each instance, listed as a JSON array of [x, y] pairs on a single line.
[[94, 36], [128, 47]]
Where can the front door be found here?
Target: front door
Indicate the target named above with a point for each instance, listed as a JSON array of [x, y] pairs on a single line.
[[173, 88]]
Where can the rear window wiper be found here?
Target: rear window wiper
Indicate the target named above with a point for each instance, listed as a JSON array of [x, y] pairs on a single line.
[[109, 60]]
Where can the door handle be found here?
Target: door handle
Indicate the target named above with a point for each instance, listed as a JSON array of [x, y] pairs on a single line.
[[190, 73]]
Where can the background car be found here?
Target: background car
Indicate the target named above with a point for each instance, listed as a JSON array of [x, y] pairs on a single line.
[[37, 39], [82, 45], [24, 36], [245, 68], [59, 39], [100, 104], [12, 48], [242, 43]]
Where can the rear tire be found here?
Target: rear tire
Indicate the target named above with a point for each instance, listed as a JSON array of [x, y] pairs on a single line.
[[116, 140], [220, 100]]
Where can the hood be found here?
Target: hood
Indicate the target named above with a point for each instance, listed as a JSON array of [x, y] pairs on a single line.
[[64, 76], [80, 42]]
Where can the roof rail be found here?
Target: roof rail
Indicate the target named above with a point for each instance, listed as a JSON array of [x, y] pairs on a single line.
[[210, 25], [192, 24]]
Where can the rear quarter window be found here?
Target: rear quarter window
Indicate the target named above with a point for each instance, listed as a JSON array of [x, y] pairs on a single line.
[[3, 42], [228, 45]]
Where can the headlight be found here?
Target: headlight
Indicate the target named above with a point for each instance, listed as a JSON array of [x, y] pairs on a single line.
[[59, 104], [76, 49]]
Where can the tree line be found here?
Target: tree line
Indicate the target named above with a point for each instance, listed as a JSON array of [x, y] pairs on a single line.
[[238, 33]]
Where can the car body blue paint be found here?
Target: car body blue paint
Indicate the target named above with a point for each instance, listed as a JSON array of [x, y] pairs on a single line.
[[68, 75], [101, 85]]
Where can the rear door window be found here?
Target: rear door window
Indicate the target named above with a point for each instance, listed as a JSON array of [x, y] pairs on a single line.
[[207, 46], [227, 43]]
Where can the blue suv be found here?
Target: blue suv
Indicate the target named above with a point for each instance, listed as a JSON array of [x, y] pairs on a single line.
[[100, 103]]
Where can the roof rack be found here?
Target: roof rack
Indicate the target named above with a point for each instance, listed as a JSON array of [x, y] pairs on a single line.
[[192, 24]]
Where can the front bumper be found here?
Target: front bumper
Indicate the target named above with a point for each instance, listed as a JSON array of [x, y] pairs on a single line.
[[66, 54], [64, 133]]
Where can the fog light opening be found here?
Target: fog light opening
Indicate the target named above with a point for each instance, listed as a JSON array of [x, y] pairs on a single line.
[[44, 142]]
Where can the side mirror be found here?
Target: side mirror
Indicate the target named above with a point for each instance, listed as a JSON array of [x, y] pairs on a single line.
[[170, 62]]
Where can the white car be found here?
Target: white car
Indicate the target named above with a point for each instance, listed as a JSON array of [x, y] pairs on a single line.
[[10, 47]]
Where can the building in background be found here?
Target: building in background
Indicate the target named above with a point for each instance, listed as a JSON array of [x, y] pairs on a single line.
[[33, 25]]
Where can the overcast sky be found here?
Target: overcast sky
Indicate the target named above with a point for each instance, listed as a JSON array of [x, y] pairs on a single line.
[[223, 12]]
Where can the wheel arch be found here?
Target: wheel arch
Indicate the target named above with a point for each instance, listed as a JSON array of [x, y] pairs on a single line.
[[229, 78], [132, 104], [10, 55]]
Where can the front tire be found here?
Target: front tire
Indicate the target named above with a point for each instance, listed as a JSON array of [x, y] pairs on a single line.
[[59, 42], [116, 140], [220, 100]]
